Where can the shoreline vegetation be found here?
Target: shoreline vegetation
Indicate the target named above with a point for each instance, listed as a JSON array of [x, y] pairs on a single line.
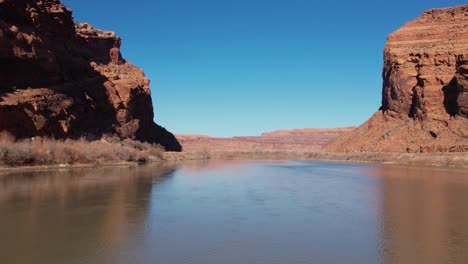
[[39, 151], [46, 153]]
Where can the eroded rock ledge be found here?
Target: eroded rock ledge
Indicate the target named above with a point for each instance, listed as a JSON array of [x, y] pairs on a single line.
[[425, 89], [65, 80]]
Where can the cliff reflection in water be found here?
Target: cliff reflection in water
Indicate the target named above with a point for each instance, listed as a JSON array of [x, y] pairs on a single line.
[[424, 215], [236, 212], [58, 216]]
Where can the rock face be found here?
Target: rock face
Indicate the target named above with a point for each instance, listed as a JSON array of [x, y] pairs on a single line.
[[67, 80], [425, 89]]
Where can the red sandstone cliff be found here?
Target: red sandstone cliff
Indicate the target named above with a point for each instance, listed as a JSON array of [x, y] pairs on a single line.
[[63, 80], [425, 89]]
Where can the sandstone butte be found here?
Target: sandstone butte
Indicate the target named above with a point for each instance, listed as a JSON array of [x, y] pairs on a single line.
[[425, 89], [65, 80]]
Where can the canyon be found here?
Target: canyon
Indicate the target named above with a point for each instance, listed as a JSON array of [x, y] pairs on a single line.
[[65, 80]]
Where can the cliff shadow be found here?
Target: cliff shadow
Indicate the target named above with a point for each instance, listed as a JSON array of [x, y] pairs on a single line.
[[451, 93], [46, 77], [61, 75]]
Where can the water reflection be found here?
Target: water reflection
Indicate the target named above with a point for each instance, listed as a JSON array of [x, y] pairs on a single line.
[[68, 215], [424, 214], [236, 212]]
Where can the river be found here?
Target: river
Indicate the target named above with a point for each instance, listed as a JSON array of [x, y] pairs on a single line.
[[235, 212]]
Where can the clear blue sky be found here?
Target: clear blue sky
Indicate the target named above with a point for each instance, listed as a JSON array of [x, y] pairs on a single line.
[[225, 68]]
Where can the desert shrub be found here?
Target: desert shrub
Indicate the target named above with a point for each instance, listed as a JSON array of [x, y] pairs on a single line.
[[155, 150], [133, 144], [145, 147], [6, 137], [16, 156], [46, 151], [111, 139]]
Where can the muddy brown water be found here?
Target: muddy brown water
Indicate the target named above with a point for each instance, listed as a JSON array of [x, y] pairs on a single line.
[[236, 212]]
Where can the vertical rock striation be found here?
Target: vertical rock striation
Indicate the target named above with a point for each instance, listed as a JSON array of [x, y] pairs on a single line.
[[67, 80], [424, 96]]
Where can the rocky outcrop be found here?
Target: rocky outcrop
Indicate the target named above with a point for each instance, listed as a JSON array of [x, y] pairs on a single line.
[[65, 80], [424, 96]]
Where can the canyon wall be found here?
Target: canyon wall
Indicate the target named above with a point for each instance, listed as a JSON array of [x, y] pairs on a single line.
[[425, 89], [65, 80]]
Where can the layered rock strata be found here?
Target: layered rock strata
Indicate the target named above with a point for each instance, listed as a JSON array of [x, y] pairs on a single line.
[[425, 89], [65, 80]]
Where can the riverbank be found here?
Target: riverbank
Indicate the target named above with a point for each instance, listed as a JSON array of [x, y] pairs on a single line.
[[46, 154], [457, 159], [304, 144]]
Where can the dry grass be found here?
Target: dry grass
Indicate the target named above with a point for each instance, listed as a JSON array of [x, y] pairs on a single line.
[[46, 151]]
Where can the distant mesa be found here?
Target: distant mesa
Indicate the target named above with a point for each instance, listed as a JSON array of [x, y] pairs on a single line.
[[307, 139], [425, 89], [308, 131], [65, 80]]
